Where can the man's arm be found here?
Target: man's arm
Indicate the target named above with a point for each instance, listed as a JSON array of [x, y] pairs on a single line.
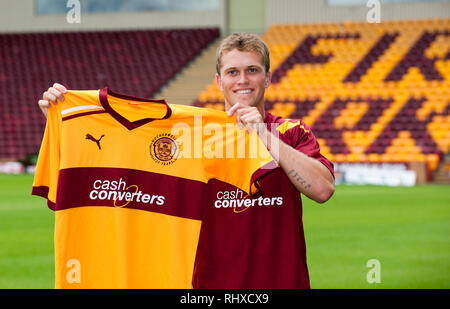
[[53, 93], [309, 176]]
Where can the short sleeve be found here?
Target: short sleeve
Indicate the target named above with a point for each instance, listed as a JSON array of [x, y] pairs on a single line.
[[302, 138], [47, 168]]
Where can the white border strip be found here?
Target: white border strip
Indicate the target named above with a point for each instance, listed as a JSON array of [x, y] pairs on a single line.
[[80, 108]]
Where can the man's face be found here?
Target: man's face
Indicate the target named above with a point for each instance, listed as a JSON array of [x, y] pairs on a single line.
[[243, 78]]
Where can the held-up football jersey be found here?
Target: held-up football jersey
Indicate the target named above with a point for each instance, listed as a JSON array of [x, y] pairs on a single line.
[[257, 242], [127, 178]]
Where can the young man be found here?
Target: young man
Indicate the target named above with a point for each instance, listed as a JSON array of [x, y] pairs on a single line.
[[262, 245]]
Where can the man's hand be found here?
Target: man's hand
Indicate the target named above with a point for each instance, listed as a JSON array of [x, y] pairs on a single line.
[[247, 116], [54, 93], [309, 176]]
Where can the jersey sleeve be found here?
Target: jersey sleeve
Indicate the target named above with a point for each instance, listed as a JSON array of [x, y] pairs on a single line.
[[47, 168], [302, 138]]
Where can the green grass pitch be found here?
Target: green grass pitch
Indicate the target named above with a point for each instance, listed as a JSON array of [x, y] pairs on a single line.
[[406, 229]]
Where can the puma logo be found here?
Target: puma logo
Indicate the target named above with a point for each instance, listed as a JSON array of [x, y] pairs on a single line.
[[90, 137]]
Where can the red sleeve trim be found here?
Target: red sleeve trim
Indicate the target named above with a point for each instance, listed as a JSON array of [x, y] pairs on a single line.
[[260, 173], [328, 164], [42, 191]]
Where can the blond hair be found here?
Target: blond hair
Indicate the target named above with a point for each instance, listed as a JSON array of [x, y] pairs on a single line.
[[244, 42]]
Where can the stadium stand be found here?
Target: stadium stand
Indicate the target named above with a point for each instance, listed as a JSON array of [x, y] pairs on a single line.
[[133, 62], [371, 92]]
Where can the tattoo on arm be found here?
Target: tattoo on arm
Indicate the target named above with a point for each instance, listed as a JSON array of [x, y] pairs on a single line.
[[299, 179]]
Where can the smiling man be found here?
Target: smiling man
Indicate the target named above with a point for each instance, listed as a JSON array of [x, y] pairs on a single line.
[[242, 78], [243, 74], [256, 241], [261, 245]]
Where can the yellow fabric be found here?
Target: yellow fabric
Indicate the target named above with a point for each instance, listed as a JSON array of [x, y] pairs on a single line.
[[126, 249], [286, 125]]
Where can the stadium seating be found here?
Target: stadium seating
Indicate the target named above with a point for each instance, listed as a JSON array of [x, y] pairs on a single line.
[[370, 92], [132, 62]]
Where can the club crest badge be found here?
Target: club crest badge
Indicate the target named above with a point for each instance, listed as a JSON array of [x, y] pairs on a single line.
[[164, 149]]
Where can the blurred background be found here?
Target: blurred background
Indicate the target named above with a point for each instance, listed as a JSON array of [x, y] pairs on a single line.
[[371, 78]]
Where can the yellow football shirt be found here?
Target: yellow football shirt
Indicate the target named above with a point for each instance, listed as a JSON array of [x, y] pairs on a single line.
[[127, 178]]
